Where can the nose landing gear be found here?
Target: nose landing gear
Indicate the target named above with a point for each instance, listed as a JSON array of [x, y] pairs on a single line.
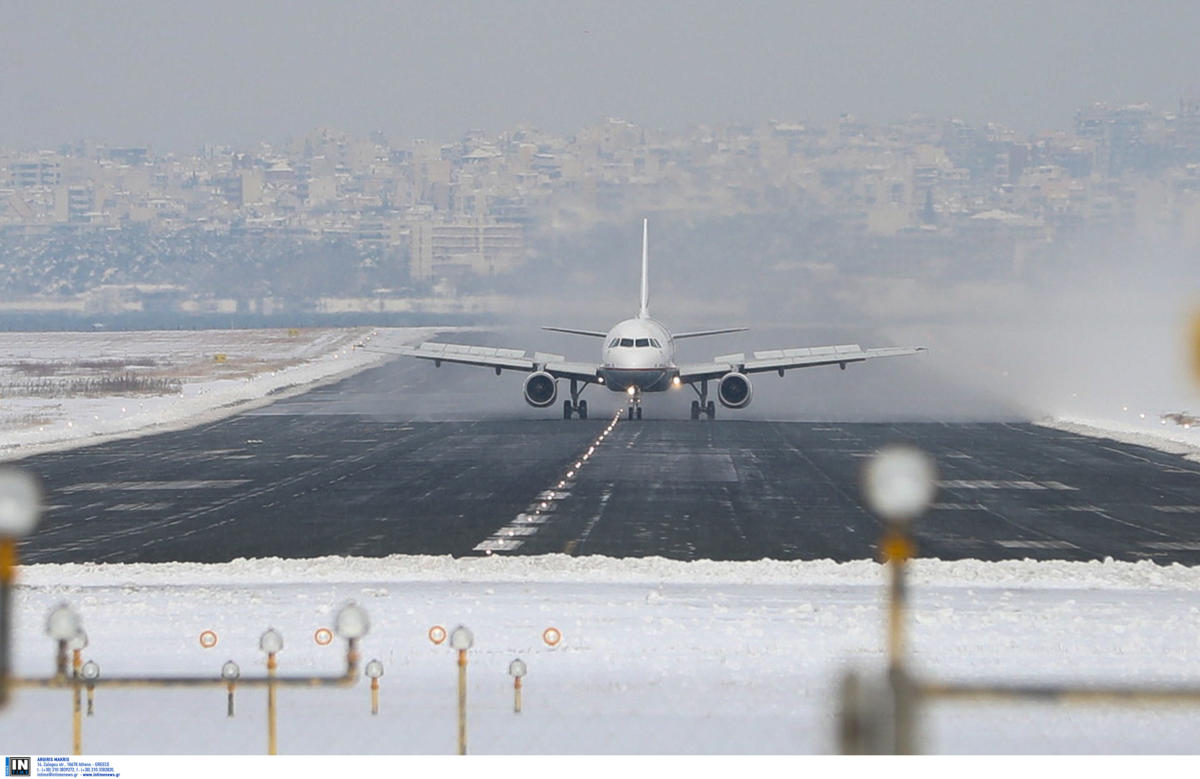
[[635, 404]]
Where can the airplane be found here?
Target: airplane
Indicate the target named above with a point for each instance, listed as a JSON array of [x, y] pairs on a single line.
[[638, 356]]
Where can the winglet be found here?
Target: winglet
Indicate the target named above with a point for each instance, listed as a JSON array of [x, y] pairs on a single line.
[[644, 313]]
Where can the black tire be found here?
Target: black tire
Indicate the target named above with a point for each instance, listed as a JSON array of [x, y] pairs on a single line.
[[631, 413], [583, 409], [711, 411], [695, 409], [639, 412], [566, 409]]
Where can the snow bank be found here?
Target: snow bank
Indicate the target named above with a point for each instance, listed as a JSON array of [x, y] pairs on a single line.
[[558, 568]]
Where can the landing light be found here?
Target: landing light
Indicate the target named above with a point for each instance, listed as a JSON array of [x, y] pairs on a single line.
[[675, 381], [630, 389]]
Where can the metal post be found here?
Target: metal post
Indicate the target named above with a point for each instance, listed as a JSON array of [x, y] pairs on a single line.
[[897, 548], [462, 701], [272, 747], [8, 575], [374, 696], [229, 696], [91, 699], [76, 703], [517, 695]]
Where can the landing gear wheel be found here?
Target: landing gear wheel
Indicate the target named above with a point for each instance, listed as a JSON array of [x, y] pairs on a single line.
[[566, 409], [695, 409], [711, 410], [582, 409], [639, 412], [631, 413]]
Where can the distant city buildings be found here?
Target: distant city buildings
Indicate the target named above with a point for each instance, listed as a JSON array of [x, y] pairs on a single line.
[[420, 216]]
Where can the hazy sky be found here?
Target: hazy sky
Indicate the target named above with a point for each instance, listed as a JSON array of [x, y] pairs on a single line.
[[178, 74]]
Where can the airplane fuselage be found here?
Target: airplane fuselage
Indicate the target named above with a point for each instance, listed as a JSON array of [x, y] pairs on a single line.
[[640, 354]]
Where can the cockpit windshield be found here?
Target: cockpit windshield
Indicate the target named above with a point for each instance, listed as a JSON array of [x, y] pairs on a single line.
[[626, 342], [643, 342]]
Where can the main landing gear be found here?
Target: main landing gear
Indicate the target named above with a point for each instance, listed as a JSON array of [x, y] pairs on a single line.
[[703, 405], [575, 405]]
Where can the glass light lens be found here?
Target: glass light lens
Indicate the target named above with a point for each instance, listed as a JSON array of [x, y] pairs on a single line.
[[374, 669], [899, 483], [20, 502], [461, 638], [78, 641], [516, 668], [230, 671], [271, 641], [352, 621], [90, 670], [63, 623]]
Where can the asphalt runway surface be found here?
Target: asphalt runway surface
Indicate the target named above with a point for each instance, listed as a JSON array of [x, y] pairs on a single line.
[[409, 459]]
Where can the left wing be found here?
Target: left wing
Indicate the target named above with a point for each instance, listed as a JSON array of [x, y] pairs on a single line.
[[502, 359], [786, 359]]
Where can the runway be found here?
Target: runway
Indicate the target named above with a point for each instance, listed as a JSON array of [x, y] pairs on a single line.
[[408, 459]]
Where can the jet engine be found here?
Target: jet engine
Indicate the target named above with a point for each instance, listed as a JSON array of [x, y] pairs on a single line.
[[735, 390], [540, 389]]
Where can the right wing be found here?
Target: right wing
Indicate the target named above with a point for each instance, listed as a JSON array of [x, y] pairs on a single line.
[[502, 359], [786, 359]]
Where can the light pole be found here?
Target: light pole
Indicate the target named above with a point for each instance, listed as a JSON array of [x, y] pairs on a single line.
[[899, 484], [516, 669], [461, 639], [374, 670], [20, 509], [77, 643], [230, 673], [271, 642]]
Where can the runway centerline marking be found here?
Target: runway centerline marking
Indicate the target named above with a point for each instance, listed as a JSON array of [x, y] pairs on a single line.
[[527, 523]]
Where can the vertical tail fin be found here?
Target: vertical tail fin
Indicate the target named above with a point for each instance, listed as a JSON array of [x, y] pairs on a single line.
[[644, 313]]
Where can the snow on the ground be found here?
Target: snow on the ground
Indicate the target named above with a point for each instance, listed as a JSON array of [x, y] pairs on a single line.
[[217, 373], [1165, 437], [657, 656]]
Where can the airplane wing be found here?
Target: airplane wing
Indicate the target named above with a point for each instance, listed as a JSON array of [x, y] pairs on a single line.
[[575, 331], [502, 359], [786, 359], [700, 333]]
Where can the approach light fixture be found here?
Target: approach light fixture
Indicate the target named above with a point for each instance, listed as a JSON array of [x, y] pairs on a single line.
[[271, 641], [79, 641], [20, 502], [899, 483], [63, 623], [352, 622], [461, 638]]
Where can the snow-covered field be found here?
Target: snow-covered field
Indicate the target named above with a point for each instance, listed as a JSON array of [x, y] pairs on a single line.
[[656, 657], [58, 390]]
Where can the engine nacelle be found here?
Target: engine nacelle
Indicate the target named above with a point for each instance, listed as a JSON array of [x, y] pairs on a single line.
[[735, 390], [540, 389]]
